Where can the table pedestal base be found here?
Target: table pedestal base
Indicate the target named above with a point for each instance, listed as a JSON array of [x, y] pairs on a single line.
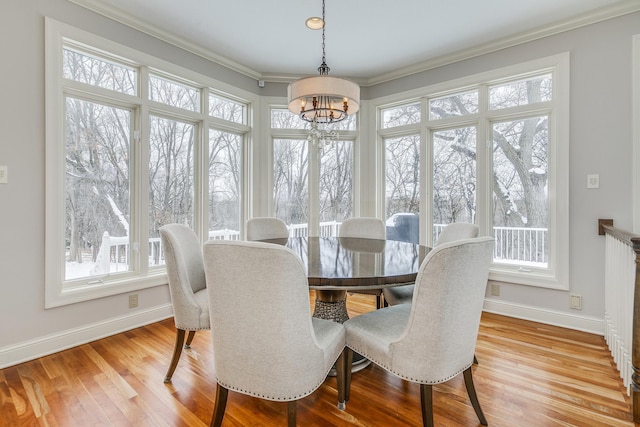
[[336, 311], [332, 305]]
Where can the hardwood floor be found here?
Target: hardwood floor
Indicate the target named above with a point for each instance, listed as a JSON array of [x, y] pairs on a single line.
[[529, 374]]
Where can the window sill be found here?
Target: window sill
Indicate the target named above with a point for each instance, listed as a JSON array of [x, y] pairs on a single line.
[[64, 296], [536, 277]]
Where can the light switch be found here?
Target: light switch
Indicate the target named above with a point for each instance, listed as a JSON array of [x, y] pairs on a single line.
[[593, 181], [4, 175]]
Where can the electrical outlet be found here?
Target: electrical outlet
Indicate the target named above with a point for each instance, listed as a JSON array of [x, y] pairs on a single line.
[[495, 290], [575, 301], [4, 175], [593, 181], [133, 301]]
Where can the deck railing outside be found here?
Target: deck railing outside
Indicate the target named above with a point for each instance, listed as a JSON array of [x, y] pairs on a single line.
[[327, 229], [513, 244], [521, 244]]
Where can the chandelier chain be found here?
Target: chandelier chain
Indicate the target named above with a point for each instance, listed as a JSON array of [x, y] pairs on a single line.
[[324, 23], [324, 68]]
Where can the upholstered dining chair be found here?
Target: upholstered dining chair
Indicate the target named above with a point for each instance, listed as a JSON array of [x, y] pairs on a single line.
[[433, 339], [187, 286], [263, 228], [266, 344], [364, 227], [451, 232], [367, 228]]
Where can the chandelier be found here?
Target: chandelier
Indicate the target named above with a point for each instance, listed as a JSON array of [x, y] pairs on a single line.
[[323, 100]]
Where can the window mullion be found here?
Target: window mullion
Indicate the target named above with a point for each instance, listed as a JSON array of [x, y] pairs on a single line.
[[201, 190], [314, 190], [484, 166], [201, 181], [141, 178]]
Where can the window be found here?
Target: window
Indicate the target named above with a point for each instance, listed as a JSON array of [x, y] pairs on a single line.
[[172, 93], [122, 162], [494, 149], [171, 178], [310, 178], [336, 182], [456, 105], [225, 184], [454, 177], [97, 190], [99, 72], [520, 203], [401, 115], [227, 109], [290, 181]]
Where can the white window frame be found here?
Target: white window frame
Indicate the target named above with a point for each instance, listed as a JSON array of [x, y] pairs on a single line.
[[59, 292], [556, 276]]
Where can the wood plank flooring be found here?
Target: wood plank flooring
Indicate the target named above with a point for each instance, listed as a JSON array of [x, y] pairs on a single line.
[[529, 374]]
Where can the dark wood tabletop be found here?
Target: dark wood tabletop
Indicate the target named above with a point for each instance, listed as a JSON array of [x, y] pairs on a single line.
[[347, 263]]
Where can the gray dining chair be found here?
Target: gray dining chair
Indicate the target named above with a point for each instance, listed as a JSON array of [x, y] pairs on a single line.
[[451, 232], [366, 228], [363, 227], [187, 286], [264, 228], [433, 339], [265, 342]]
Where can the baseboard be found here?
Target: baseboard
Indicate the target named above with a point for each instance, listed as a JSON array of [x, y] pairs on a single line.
[[577, 322], [43, 346]]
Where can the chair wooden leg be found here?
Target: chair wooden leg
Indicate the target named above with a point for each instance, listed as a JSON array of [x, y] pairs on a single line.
[[189, 339], [340, 370], [219, 406], [471, 391], [348, 366], [177, 350], [426, 400], [379, 301], [291, 413], [475, 360]]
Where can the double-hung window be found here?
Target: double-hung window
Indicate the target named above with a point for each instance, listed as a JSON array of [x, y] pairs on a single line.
[[490, 149], [133, 143]]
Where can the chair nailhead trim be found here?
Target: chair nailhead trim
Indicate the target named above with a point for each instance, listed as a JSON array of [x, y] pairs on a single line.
[[415, 380], [281, 399]]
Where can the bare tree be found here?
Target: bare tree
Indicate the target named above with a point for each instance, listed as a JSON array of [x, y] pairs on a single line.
[[96, 167], [402, 174], [224, 180], [291, 194], [336, 182]]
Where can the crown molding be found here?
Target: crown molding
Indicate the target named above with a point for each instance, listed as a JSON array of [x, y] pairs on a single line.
[[123, 18], [602, 14]]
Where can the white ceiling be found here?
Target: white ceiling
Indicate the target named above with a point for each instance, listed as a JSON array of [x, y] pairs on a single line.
[[365, 39]]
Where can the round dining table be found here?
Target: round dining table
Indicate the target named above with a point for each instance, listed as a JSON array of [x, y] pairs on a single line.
[[336, 265]]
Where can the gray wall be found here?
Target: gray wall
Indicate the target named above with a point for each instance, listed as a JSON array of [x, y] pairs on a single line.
[[601, 142]]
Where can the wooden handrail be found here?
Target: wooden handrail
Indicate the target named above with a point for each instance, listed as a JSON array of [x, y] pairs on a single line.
[[633, 240]]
